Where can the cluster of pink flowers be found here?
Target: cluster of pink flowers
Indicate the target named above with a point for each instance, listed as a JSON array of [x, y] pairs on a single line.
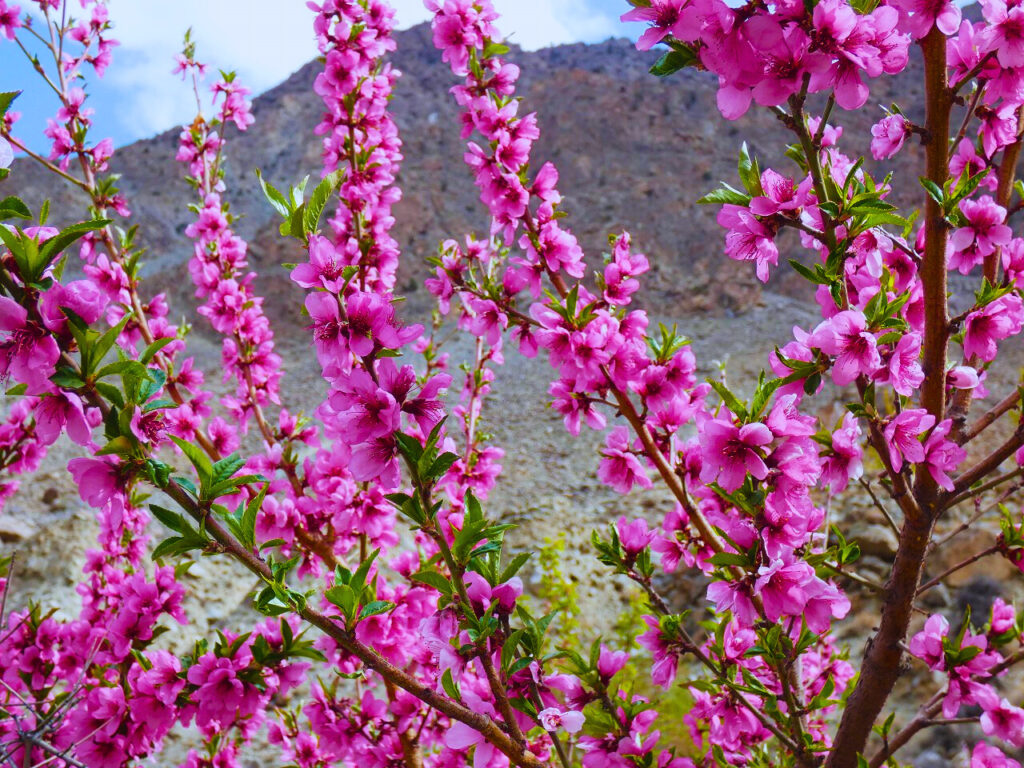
[[971, 661], [218, 265], [764, 56], [449, 662]]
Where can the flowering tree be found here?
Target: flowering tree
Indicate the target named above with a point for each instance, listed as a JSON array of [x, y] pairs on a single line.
[[392, 608]]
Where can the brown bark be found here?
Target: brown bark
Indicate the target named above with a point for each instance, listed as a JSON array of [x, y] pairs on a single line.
[[882, 657]]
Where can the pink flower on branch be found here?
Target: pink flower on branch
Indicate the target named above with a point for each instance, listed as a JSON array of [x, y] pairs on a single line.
[[901, 437], [729, 452]]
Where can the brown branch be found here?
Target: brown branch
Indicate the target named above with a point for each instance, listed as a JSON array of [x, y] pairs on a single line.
[[973, 493], [926, 715], [991, 415], [954, 568], [409, 739], [989, 464], [882, 656], [517, 754]]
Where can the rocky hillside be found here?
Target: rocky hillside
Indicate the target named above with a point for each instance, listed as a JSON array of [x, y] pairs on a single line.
[[634, 153]]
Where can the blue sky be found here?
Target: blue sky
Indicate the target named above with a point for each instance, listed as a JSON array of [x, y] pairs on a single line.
[[264, 40]]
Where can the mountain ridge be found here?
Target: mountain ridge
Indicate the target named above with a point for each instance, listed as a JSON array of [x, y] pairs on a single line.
[[634, 152]]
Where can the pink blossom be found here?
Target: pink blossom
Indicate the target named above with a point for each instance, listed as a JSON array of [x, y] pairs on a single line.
[[889, 133], [620, 468], [749, 239], [634, 536], [27, 352], [59, 411], [575, 406], [942, 455], [1003, 616], [998, 127], [97, 479], [927, 644], [664, 16], [1005, 722], [781, 195], [485, 320], [610, 663], [666, 659], [729, 452], [10, 20], [925, 14], [963, 377], [785, 588], [326, 264], [376, 458], [905, 372], [901, 437], [985, 756], [460, 736], [984, 232], [845, 335], [1005, 33], [966, 158], [735, 597], [552, 719], [994, 322]]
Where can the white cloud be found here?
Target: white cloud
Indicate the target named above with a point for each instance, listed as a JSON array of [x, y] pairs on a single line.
[[267, 40]]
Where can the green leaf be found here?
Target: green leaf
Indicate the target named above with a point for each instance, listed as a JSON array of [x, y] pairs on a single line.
[[673, 61], [120, 446], [750, 173], [6, 98], [65, 378], [168, 547], [121, 367], [110, 392], [513, 568], [248, 522], [188, 485], [13, 207], [154, 381], [172, 520], [94, 352], [731, 401], [435, 580], [274, 197], [441, 465], [808, 274], [359, 577], [66, 237], [153, 348], [765, 390], [375, 608], [493, 49], [226, 467], [197, 457], [725, 195], [934, 190], [448, 683], [726, 559], [318, 200], [292, 226], [508, 651], [409, 447], [343, 597]]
